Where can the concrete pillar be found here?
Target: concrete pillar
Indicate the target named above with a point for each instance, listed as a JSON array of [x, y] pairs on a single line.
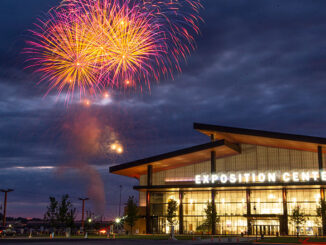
[[148, 213], [284, 226], [323, 217], [320, 158], [213, 162], [322, 191], [214, 213], [248, 212], [212, 138], [181, 212], [149, 175]]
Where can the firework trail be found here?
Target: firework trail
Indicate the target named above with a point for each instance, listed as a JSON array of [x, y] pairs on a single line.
[[86, 138], [92, 44]]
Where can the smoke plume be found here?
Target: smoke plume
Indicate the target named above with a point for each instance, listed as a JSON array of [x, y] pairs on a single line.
[[86, 139]]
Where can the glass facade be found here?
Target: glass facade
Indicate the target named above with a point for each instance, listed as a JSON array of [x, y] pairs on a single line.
[[194, 204], [308, 201], [238, 211], [248, 208], [266, 202]]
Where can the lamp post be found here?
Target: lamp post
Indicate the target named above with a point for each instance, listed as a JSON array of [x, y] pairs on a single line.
[[83, 210], [5, 205]]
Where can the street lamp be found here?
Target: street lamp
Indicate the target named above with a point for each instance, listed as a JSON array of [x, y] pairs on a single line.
[[118, 223], [83, 210], [5, 205]]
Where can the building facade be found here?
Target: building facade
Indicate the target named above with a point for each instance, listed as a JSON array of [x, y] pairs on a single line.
[[254, 179]]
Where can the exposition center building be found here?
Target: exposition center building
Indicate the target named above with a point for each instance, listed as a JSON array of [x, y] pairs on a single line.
[[254, 178]]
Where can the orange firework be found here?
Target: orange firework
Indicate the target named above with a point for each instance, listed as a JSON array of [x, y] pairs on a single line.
[[91, 44], [62, 54]]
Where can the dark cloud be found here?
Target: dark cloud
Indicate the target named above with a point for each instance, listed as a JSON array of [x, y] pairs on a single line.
[[259, 64]]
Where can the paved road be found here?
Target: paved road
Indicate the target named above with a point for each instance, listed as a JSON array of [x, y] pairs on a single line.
[[123, 242], [89, 242], [108, 242]]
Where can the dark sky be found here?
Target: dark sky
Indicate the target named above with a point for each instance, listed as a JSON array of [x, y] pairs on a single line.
[[259, 64]]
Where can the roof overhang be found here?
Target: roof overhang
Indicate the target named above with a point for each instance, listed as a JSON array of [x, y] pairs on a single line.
[[264, 138], [176, 159]]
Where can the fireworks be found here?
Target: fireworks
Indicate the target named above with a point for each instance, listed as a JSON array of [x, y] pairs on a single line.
[[92, 44]]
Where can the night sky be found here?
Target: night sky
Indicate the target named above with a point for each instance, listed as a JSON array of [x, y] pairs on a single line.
[[258, 64]]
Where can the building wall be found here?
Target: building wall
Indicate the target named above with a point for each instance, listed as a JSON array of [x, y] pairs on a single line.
[[252, 158], [232, 205]]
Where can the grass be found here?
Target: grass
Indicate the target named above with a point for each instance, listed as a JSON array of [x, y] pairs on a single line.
[[183, 237], [146, 237], [292, 239], [129, 237], [166, 237]]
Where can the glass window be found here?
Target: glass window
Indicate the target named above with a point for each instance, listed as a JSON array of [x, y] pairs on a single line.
[[231, 203], [266, 202]]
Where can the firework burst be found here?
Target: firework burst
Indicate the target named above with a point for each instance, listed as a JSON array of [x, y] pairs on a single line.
[[92, 44]]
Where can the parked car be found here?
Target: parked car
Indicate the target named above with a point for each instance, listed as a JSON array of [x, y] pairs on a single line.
[[2, 228], [7, 231]]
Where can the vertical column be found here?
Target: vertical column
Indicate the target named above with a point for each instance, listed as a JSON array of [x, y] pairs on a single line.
[[149, 175], [248, 212], [213, 162], [323, 217], [212, 138], [320, 158], [213, 213], [148, 198], [148, 213], [213, 170], [181, 212], [284, 226], [322, 192]]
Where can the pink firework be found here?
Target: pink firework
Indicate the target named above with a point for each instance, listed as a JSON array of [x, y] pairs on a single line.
[[92, 44]]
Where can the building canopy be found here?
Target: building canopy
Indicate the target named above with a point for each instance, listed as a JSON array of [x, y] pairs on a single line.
[[226, 143]]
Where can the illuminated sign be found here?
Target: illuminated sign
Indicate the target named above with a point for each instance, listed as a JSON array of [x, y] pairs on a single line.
[[260, 177]]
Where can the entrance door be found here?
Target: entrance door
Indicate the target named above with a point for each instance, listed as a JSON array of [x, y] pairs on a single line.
[[155, 225], [266, 227]]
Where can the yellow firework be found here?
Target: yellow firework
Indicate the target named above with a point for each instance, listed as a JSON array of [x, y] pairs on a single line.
[[91, 44]]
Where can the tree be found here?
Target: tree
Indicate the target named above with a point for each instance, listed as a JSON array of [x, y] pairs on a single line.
[[66, 212], [297, 218], [51, 214], [60, 214], [71, 215], [131, 211], [211, 216], [321, 212], [172, 212]]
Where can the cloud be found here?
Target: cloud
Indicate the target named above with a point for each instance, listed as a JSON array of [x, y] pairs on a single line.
[[259, 64]]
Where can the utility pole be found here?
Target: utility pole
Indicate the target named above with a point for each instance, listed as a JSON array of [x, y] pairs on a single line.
[[83, 209], [120, 201], [5, 205]]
